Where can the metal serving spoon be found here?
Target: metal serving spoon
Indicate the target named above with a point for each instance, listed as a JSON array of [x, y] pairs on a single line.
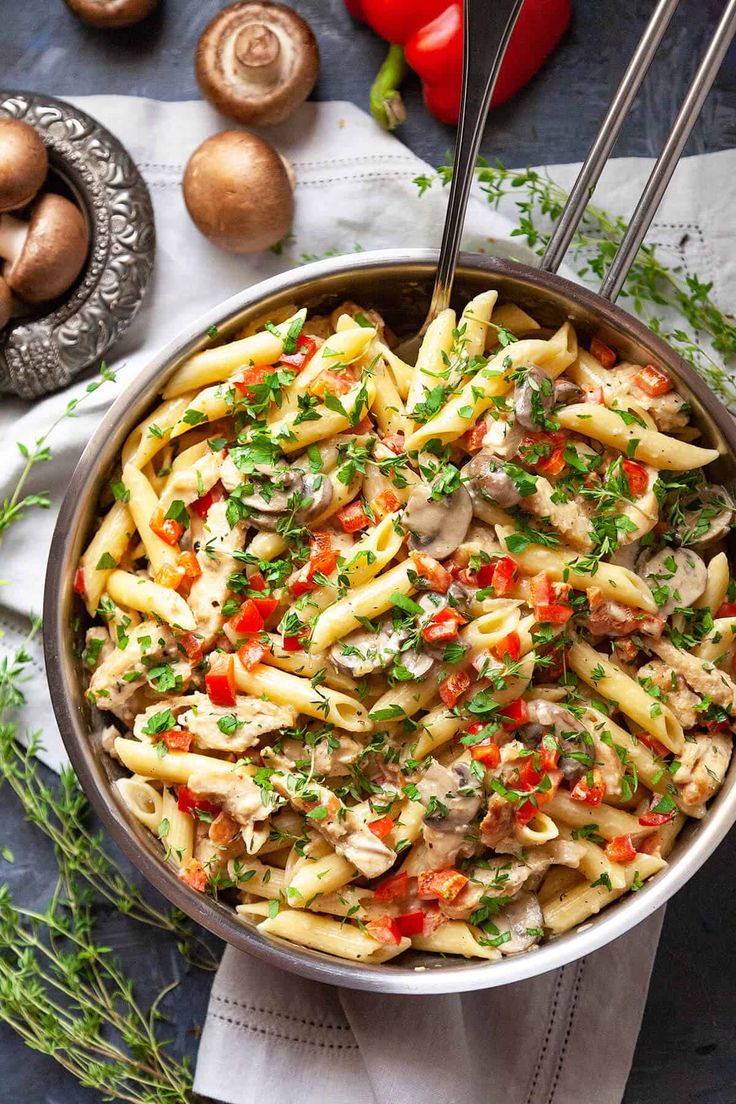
[[484, 25]]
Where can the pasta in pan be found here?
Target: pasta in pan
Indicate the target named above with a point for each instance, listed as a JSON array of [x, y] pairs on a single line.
[[435, 657]]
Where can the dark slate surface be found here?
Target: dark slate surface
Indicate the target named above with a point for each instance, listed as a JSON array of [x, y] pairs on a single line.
[[687, 1048]]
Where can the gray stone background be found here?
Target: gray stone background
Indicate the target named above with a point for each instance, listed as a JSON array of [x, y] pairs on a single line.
[[687, 1046]]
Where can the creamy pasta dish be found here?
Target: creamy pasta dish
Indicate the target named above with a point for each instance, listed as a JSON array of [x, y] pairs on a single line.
[[436, 657]]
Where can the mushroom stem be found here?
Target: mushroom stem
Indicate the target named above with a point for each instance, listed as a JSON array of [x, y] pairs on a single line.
[[257, 54], [13, 234]]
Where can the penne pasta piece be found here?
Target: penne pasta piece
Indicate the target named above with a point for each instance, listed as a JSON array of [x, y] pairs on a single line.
[[143, 800], [104, 552], [432, 358], [618, 430], [716, 587], [457, 938], [369, 600], [173, 767], [154, 433], [324, 874], [609, 822], [147, 597], [320, 702], [583, 901], [218, 364], [176, 829], [331, 936], [474, 323], [143, 504]]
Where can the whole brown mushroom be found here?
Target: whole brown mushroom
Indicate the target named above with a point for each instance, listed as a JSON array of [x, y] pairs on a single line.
[[6, 303], [257, 62], [23, 163], [111, 14], [45, 255], [239, 192]]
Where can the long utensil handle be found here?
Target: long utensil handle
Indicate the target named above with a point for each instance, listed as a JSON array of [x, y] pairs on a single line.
[[484, 24], [665, 165], [607, 136]]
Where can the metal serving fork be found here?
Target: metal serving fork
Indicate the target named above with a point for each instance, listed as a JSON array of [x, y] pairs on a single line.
[[495, 22]]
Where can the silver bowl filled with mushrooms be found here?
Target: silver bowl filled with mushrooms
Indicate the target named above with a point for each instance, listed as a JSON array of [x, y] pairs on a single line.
[[397, 284]]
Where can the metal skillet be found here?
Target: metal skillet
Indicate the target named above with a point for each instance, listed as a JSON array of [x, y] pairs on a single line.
[[398, 284]]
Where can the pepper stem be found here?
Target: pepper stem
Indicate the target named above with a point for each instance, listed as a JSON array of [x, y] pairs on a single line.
[[386, 104]]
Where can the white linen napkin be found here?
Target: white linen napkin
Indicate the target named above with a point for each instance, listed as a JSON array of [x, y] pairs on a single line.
[[531, 1043]]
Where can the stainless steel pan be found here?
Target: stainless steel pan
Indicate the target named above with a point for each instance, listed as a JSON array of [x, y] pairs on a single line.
[[398, 283]]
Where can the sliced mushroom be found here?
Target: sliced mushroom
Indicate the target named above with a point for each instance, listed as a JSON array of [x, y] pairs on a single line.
[[6, 303], [533, 398], [566, 392], [452, 798], [278, 487], [111, 14], [523, 921], [503, 438], [23, 163], [362, 652], [486, 481], [45, 255], [546, 717], [239, 192], [707, 518], [257, 62], [437, 526], [676, 576]]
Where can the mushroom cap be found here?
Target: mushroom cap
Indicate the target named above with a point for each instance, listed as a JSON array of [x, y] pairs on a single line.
[[111, 13], [54, 251], [23, 163], [238, 192], [6, 303], [257, 62]]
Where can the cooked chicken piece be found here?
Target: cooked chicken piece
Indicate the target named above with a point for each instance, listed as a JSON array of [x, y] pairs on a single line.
[[215, 559], [505, 875], [677, 695], [676, 576], [323, 759], [570, 519], [703, 765], [345, 829], [234, 791], [215, 856], [242, 726], [613, 619], [523, 920], [503, 439], [452, 797], [190, 483], [669, 411], [96, 653], [705, 679], [498, 823], [114, 684]]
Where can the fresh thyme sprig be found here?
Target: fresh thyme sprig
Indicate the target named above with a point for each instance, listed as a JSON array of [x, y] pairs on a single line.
[[60, 989], [651, 288]]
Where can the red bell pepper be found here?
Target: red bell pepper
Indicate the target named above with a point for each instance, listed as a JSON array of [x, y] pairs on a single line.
[[636, 477], [620, 849], [652, 381], [453, 687], [220, 680], [437, 577], [445, 884], [251, 654], [247, 619], [411, 923], [382, 827], [396, 885], [306, 347], [431, 34], [202, 504], [384, 930]]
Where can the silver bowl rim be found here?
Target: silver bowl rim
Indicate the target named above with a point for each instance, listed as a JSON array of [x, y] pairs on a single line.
[[220, 919]]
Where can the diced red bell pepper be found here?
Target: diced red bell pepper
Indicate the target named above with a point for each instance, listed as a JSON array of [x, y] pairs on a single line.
[[444, 625], [453, 687], [265, 606], [382, 827], [220, 680], [549, 758], [653, 744], [187, 802], [189, 562], [620, 849], [79, 583], [553, 462], [431, 570], [395, 442], [514, 714], [652, 381], [544, 599], [353, 517], [384, 504], [509, 646], [636, 477], [529, 776], [177, 739], [473, 439], [169, 576], [202, 504], [411, 923], [306, 347], [257, 582], [656, 820], [488, 753], [589, 792], [321, 554], [525, 812], [501, 574], [168, 529], [442, 884], [252, 653], [193, 875], [726, 609], [336, 383], [296, 642], [397, 885], [252, 376], [384, 930], [603, 353], [193, 647], [247, 619]]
